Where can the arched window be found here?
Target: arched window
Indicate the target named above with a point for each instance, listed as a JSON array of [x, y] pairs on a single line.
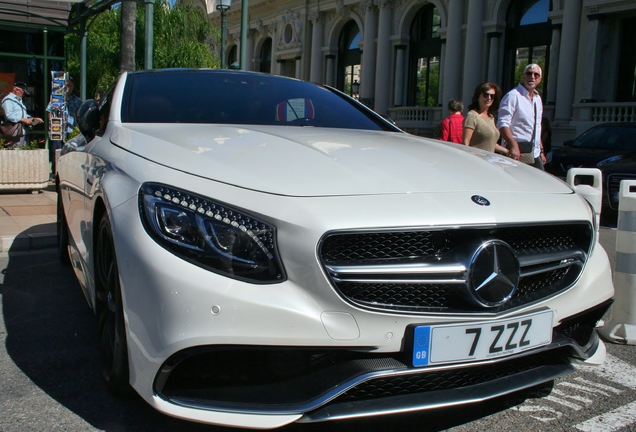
[[266, 56], [349, 59], [528, 39], [425, 50]]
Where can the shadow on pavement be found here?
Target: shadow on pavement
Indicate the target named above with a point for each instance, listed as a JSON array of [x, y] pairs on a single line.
[[51, 338]]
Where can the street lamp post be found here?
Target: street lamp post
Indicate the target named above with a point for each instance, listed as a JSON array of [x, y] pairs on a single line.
[[355, 89], [223, 6]]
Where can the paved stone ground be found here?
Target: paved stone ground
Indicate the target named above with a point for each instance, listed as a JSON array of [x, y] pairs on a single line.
[[27, 220]]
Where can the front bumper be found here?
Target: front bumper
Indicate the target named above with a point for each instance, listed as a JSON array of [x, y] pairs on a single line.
[[328, 384]]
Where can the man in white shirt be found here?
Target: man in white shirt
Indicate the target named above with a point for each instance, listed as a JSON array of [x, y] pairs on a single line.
[[520, 113]]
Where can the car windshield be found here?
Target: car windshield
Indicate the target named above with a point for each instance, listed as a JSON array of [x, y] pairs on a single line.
[[234, 97], [608, 138]]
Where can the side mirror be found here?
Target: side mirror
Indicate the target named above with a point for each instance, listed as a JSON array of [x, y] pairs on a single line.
[[88, 119], [568, 143]]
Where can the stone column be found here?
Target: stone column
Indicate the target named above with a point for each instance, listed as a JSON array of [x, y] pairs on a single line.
[[367, 68], [493, 58], [452, 57], [280, 67], [317, 35], [440, 84], [588, 65], [473, 49], [330, 70], [298, 67], [383, 62], [555, 46], [567, 60], [400, 68], [249, 53]]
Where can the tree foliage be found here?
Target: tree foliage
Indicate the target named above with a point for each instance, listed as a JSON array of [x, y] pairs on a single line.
[[182, 37], [428, 83]]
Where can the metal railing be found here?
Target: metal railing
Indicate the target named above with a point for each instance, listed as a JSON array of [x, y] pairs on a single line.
[[418, 120], [425, 120]]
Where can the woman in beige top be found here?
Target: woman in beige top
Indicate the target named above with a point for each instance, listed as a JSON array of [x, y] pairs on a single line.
[[480, 130]]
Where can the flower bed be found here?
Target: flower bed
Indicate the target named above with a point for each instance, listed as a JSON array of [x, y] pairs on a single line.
[[24, 169]]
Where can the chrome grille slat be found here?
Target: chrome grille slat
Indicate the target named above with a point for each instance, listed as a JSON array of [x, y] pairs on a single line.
[[551, 258]]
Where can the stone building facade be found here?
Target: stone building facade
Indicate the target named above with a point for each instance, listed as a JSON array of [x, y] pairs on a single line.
[[407, 58]]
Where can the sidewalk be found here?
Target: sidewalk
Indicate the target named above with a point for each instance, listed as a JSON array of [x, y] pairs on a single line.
[[27, 220]]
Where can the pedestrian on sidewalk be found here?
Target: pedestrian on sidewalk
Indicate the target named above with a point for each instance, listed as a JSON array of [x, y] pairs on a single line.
[[452, 125], [15, 112], [480, 130], [520, 114]]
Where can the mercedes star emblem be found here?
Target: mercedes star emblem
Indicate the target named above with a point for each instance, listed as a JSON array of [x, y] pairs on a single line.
[[493, 273]]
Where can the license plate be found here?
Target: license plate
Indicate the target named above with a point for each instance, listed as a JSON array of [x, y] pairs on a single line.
[[453, 343]]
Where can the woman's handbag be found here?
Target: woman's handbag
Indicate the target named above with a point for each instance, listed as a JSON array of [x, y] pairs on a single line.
[[526, 149], [11, 131]]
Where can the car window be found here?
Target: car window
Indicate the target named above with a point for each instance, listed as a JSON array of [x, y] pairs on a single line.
[[607, 138], [239, 98]]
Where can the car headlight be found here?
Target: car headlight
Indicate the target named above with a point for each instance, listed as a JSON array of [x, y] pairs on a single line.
[[610, 160], [211, 234]]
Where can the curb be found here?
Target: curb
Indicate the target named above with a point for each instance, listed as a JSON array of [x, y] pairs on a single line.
[[26, 242]]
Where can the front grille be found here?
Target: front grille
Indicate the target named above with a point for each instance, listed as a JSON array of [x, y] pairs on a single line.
[[373, 269]]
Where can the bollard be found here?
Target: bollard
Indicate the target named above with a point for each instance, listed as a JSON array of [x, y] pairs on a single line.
[[592, 193], [622, 326]]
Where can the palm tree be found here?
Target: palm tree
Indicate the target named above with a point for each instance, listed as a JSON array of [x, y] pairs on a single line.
[[128, 20]]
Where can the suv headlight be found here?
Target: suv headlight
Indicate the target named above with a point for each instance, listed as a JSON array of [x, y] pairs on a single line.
[[211, 234], [610, 160]]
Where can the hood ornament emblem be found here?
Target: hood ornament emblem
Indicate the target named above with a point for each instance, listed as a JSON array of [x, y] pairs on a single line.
[[480, 200]]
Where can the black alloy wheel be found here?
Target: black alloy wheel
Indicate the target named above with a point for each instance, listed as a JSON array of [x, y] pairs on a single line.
[[110, 313]]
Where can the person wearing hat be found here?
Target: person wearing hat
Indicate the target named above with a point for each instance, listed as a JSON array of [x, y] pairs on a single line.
[[14, 109]]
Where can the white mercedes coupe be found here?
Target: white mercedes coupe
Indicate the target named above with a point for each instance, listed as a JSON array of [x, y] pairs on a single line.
[[260, 250]]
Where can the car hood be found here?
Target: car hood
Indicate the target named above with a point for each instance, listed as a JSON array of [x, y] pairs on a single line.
[[309, 161]]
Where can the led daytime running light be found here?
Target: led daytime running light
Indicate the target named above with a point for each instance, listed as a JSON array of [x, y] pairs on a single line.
[[211, 234], [256, 230]]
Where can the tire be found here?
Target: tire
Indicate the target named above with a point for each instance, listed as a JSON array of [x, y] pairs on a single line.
[[62, 233], [111, 325]]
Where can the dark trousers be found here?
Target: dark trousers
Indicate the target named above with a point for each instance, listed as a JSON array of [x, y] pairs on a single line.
[[54, 145], [538, 163]]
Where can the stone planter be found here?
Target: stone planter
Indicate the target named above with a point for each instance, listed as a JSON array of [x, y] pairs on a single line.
[[24, 169]]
